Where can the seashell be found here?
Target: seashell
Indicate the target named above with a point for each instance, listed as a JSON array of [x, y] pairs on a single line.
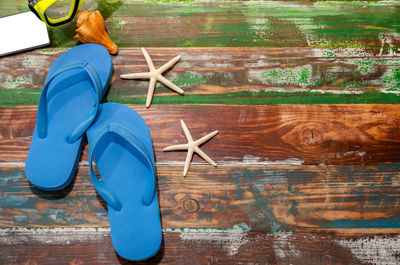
[[91, 29]]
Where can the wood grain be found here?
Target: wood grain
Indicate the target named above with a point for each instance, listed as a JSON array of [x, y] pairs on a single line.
[[257, 134], [343, 24], [227, 75], [342, 199], [296, 184], [199, 246]]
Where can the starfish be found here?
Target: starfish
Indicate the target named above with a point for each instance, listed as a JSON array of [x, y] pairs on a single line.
[[192, 146], [155, 75]]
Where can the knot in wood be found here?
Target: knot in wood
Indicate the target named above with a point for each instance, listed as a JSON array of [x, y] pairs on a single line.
[[190, 205], [311, 136]]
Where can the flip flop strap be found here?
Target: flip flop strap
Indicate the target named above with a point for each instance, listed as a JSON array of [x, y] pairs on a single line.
[[106, 192], [90, 71]]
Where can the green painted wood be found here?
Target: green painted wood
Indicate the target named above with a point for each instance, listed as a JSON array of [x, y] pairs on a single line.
[[343, 24], [29, 97], [228, 76], [341, 199]]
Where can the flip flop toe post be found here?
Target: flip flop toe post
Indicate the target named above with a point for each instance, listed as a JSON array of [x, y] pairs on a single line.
[[120, 145], [74, 87]]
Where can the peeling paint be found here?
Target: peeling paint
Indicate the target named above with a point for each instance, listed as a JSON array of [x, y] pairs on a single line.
[[391, 80], [284, 247], [299, 76], [374, 250], [295, 89], [50, 51], [190, 78], [11, 164], [357, 3], [255, 160], [59, 236], [231, 239], [204, 56], [35, 61], [11, 82], [388, 39], [258, 161], [352, 153]]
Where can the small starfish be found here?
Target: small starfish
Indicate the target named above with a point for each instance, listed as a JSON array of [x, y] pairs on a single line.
[[192, 146], [154, 75]]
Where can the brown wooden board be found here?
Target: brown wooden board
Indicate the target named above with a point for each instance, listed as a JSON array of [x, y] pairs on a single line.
[[258, 134], [198, 246], [343, 199]]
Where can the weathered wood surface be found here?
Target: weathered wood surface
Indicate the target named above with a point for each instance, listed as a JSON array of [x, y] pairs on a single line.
[[344, 24], [341, 199], [230, 76], [236, 245], [258, 134], [296, 184]]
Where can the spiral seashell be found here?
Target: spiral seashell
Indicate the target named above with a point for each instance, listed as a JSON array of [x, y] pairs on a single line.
[[91, 29]]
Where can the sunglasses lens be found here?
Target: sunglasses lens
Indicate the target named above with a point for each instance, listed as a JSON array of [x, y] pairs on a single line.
[[59, 9]]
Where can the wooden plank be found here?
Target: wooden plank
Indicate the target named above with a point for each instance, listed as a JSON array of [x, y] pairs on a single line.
[[342, 199], [344, 24], [198, 246], [228, 75], [258, 134]]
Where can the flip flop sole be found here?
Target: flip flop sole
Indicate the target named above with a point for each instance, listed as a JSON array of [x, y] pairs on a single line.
[[52, 160], [135, 228]]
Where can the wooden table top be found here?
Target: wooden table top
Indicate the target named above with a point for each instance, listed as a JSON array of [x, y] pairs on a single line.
[[305, 97]]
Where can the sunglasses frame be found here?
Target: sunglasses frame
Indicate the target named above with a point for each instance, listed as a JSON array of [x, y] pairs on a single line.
[[39, 9]]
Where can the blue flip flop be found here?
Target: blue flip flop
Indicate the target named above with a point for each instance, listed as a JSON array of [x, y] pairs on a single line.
[[74, 87], [120, 144]]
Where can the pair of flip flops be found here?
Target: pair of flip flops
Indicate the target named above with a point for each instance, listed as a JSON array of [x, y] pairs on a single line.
[[119, 142]]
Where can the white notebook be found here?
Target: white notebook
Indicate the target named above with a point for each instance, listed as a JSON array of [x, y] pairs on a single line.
[[22, 32]]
